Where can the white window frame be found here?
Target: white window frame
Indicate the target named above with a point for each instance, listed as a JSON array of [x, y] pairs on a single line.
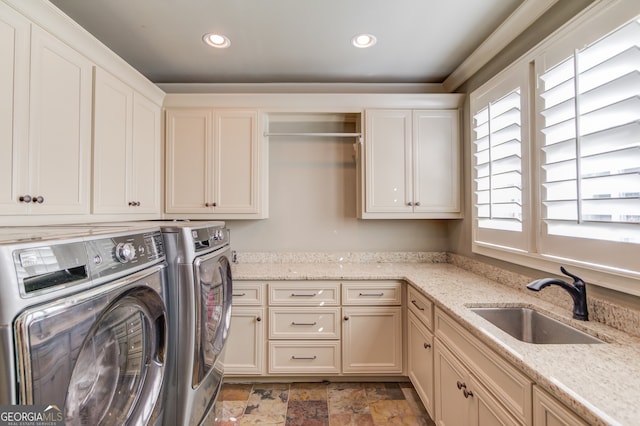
[[597, 20]]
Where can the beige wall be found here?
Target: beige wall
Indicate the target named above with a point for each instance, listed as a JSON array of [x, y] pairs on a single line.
[[312, 206]]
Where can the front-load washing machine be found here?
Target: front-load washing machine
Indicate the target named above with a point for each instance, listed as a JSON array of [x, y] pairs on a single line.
[[200, 283], [83, 323]]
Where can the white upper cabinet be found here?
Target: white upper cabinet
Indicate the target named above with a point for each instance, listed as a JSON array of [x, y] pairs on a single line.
[[48, 172], [14, 110], [213, 163], [411, 164], [126, 146]]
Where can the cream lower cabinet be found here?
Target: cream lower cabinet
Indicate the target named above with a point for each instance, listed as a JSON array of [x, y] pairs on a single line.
[[372, 327], [304, 328], [475, 386], [214, 166], [244, 353], [411, 164], [548, 411], [420, 347]]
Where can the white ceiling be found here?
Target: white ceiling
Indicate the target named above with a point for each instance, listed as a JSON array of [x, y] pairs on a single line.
[[292, 41]]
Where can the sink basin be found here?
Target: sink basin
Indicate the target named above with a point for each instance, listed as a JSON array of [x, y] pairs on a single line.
[[531, 326]]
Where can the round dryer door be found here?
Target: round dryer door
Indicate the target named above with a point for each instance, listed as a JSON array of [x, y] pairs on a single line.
[[213, 312], [117, 378]]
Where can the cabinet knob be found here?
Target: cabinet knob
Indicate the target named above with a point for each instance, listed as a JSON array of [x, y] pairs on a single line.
[[467, 393], [346, 318], [461, 385], [38, 199], [409, 203], [258, 319], [417, 203], [25, 198], [427, 346]]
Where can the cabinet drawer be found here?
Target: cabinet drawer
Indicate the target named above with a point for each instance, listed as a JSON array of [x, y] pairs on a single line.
[[372, 293], [304, 323], [304, 357], [248, 293], [420, 306], [304, 293], [512, 388]]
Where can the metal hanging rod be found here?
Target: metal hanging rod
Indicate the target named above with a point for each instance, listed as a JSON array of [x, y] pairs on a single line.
[[322, 134]]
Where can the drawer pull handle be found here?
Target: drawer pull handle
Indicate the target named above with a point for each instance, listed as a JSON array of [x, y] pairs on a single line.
[[303, 295], [416, 305], [303, 323], [239, 294], [467, 393], [372, 294], [303, 357], [427, 346]]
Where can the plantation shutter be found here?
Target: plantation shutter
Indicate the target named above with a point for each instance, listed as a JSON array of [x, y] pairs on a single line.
[[591, 140]]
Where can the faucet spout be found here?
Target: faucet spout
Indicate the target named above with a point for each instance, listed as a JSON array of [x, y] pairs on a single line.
[[577, 290]]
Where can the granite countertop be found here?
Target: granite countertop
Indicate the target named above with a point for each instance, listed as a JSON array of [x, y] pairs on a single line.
[[600, 382]]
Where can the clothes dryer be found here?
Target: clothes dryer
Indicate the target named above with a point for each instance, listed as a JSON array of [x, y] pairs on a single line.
[[200, 283], [83, 323]]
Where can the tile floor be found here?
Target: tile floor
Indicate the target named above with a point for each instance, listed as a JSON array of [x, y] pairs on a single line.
[[326, 403]]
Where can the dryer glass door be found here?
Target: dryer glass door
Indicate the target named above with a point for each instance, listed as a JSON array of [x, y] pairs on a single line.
[[213, 304]]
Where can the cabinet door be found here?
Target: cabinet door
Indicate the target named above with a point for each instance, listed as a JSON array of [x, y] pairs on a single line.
[[60, 126], [189, 145], [146, 158], [236, 161], [388, 174], [452, 408], [487, 411], [244, 349], [14, 110], [547, 411], [420, 360], [112, 139], [372, 340], [436, 161]]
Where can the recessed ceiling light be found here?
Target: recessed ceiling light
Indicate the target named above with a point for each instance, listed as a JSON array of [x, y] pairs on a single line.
[[363, 40], [217, 40]]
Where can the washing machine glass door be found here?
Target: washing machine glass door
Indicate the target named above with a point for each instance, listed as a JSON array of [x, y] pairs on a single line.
[[213, 316], [117, 377]]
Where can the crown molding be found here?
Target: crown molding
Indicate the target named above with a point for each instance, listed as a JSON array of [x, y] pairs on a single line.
[[525, 15]]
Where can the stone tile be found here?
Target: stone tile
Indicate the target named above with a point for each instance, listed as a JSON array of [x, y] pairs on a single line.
[[308, 392], [392, 412], [269, 392], [229, 412], [383, 391], [307, 413], [347, 398], [235, 392], [414, 401], [351, 420]]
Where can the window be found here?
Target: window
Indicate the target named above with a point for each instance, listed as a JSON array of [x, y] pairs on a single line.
[[499, 134], [578, 159], [590, 152]]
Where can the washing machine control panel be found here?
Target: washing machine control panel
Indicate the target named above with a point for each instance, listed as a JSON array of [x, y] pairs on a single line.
[[124, 252]]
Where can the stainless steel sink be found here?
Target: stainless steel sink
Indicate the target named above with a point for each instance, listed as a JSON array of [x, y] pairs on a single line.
[[531, 326]]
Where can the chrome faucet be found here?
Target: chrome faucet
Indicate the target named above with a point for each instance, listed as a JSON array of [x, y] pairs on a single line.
[[577, 290]]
